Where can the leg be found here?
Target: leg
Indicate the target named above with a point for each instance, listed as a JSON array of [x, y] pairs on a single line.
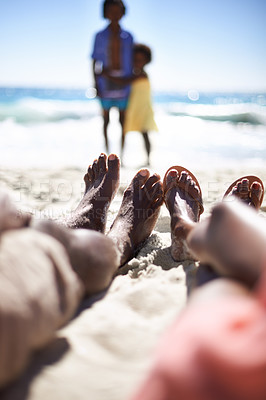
[[106, 119], [209, 342], [102, 181], [137, 215], [219, 240], [232, 241], [92, 255], [147, 145], [39, 290], [122, 121], [180, 194]]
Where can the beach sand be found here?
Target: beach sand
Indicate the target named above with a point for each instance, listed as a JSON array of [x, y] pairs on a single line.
[[105, 351]]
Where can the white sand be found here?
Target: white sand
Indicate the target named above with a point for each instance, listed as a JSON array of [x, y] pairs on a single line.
[[104, 352]]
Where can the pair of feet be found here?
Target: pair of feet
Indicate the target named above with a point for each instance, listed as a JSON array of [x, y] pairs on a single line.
[[138, 212], [133, 224], [231, 241], [183, 198]]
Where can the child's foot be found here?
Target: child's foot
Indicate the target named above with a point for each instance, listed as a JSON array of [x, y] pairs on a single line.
[[102, 181], [138, 214], [183, 200]]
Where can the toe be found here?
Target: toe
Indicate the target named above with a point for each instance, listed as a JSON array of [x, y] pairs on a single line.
[[171, 179], [86, 179], [89, 174], [102, 163], [95, 168], [157, 193], [256, 194], [113, 164], [152, 180], [184, 176], [243, 186], [140, 178]]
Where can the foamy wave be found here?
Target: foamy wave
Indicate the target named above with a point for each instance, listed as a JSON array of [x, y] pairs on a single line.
[[30, 110], [234, 113]]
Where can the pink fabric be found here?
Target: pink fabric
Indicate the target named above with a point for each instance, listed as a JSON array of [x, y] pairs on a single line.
[[217, 352]]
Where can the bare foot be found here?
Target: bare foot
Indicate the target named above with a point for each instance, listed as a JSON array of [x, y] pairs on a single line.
[[102, 181], [10, 216], [180, 194], [137, 215], [249, 191]]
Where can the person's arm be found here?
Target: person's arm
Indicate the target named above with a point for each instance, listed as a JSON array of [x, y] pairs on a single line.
[[123, 80], [96, 60]]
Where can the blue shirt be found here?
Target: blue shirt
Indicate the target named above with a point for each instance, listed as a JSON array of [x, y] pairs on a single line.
[[107, 88]]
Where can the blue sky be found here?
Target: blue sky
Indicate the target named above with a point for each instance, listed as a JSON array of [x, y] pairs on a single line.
[[197, 44]]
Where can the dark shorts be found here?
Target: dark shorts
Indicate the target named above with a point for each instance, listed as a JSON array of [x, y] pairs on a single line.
[[121, 104]]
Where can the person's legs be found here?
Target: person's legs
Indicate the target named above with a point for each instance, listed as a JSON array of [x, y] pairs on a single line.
[[216, 348], [39, 290], [101, 185], [92, 255], [184, 204], [137, 215], [39, 269], [216, 249], [237, 255], [147, 145]]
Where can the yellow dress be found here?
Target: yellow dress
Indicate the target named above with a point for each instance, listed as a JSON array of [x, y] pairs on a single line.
[[139, 114]]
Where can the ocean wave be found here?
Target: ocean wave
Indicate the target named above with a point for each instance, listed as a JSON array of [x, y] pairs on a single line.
[[32, 110], [233, 113], [35, 111]]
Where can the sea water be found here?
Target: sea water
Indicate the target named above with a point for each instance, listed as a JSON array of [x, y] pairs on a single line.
[[43, 128]]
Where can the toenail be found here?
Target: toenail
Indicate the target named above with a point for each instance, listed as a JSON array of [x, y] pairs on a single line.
[[143, 172], [256, 185], [172, 173], [111, 157]]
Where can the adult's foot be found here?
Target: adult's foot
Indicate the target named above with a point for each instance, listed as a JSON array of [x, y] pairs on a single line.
[[137, 215], [102, 181], [248, 189], [182, 197]]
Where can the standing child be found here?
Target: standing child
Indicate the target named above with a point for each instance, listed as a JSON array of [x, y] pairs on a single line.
[[139, 114], [113, 51]]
